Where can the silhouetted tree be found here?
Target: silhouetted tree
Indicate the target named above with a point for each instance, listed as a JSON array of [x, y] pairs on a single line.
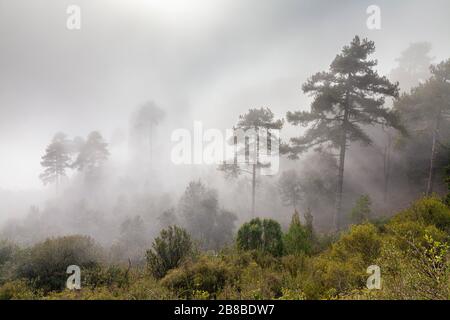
[[93, 154], [425, 111], [413, 65], [56, 160], [147, 117], [257, 120], [346, 98]]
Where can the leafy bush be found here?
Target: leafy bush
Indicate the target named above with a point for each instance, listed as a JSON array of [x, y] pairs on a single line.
[[263, 235], [429, 211], [18, 290], [192, 280], [45, 264], [8, 256], [169, 250]]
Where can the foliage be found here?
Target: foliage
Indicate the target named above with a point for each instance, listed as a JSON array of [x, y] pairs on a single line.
[[206, 277], [298, 238], [44, 265], [264, 235], [346, 98], [429, 211], [169, 250]]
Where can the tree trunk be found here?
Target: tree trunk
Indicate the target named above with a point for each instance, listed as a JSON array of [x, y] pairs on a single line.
[[387, 168], [340, 182], [432, 169], [253, 189]]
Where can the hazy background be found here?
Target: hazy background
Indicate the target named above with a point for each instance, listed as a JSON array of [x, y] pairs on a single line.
[[207, 60]]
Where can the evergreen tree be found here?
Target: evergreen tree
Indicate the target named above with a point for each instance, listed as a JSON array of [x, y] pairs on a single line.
[[346, 98], [144, 121], [426, 111], [56, 160], [361, 211], [413, 65], [259, 120], [297, 239], [93, 154]]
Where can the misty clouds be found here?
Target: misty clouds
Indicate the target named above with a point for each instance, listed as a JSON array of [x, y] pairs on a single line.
[[208, 61]]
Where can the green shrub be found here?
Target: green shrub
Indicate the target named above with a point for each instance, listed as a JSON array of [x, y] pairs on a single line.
[[429, 211], [18, 290], [193, 280], [169, 250], [45, 264], [263, 235]]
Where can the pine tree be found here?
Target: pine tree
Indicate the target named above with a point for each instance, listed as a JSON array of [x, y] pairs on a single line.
[[92, 156], [258, 120], [426, 111], [147, 117], [56, 160], [346, 98], [361, 211]]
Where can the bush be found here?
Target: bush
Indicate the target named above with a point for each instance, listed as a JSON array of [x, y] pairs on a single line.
[[429, 211], [263, 235], [202, 279], [45, 264], [8, 257], [169, 250], [18, 289]]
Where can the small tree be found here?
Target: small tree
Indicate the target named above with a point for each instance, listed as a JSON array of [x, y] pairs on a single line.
[[56, 160], [264, 235], [297, 239], [169, 250], [361, 211]]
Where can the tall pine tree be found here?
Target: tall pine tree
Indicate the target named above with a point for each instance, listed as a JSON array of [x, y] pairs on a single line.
[[347, 97]]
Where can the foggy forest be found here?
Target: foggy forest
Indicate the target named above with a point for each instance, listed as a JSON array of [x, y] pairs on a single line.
[[328, 145]]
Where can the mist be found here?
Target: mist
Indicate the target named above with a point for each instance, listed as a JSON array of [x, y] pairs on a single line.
[[209, 61]]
